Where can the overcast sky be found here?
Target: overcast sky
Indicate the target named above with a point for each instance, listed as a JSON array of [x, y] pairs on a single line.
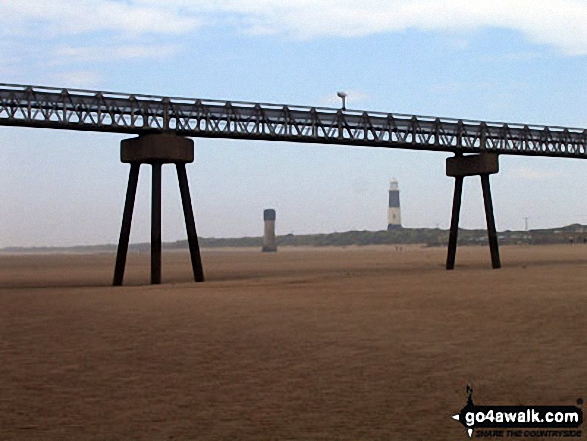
[[522, 61]]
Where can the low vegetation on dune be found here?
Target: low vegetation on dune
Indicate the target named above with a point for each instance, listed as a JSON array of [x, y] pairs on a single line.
[[572, 234]]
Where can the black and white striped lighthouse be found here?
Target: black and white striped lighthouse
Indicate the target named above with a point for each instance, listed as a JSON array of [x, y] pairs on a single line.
[[394, 216], [269, 233]]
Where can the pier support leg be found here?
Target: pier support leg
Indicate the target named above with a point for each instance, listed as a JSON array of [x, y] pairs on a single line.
[[459, 167], [491, 231], [454, 223], [129, 203], [157, 149], [190, 223], [156, 224]]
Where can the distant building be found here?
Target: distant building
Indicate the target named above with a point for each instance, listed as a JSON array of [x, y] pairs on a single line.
[[269, 233], [394, 216]]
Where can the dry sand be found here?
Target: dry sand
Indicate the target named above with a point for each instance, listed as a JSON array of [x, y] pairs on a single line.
[[310, 344]]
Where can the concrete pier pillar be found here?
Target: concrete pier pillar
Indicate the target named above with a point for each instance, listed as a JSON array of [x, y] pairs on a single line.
[[454, 223], [269, 232], [491, 230], [156, 150], [129, 203], [156, 223], [190, 223], [459, 167]]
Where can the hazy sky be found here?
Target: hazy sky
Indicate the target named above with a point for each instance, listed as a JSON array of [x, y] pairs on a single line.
[[522, 61]]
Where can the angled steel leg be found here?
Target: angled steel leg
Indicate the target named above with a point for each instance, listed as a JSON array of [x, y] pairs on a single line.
[[190, 223], [156, 224], [454, 223], [129, 203], [491, 231]]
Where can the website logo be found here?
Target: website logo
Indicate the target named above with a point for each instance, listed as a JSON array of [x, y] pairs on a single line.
[[520, 421]]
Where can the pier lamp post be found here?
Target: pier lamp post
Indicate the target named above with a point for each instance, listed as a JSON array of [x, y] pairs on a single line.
[[342, 96]]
